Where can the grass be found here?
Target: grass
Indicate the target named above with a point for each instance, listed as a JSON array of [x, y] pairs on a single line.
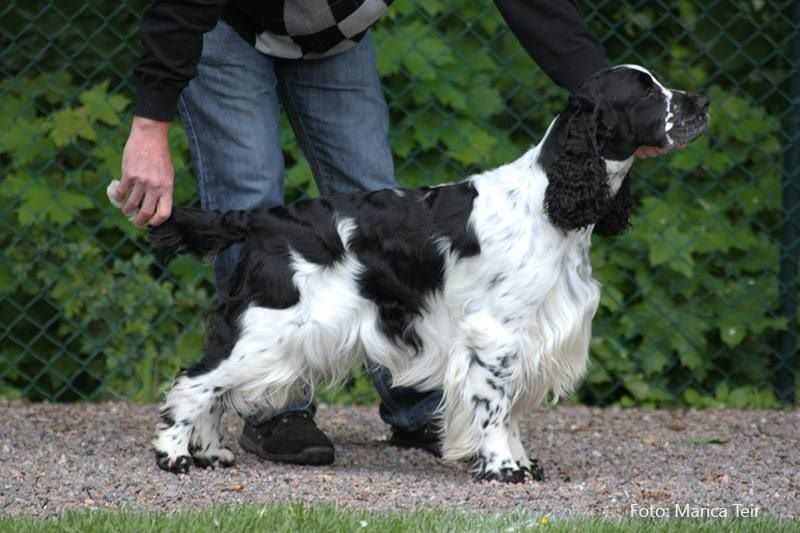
[[293, 518]]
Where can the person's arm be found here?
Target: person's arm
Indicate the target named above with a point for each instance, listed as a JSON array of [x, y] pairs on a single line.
[[171, 34], [556, 37], [172, 40]]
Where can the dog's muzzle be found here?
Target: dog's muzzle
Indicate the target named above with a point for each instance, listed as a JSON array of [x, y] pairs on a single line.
[[692, 116]]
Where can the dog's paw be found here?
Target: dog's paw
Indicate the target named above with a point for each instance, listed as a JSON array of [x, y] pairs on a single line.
[[176, 465], [221, 457], [504, 475], [535, 471]]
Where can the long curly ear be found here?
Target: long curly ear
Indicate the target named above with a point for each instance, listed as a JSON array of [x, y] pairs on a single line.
[[577, 193], [618, 212]]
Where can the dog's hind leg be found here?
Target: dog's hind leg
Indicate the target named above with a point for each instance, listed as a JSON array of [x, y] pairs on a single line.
[[190, 425], [478, 400]]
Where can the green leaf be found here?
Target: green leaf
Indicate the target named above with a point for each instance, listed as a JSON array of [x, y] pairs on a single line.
[[468, 143], [101, 106], [36, 201], [66, 205], [25, 142], [654, 361], [732, 334], [70, 124], [484, 101]]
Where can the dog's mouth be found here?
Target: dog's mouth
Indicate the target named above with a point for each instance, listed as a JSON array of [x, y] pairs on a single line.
[[688, 129]]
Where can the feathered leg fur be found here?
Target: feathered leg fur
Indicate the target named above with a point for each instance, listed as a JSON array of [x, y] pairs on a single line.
[[478, 399]]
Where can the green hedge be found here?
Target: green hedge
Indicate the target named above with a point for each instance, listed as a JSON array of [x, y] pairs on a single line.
[[689, 310]]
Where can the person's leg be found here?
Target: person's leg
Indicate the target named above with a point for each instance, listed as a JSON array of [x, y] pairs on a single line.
[[338, 112], [231, 112]]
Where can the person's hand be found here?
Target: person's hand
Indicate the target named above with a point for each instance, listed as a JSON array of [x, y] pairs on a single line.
[[643, 152], [145, 190]]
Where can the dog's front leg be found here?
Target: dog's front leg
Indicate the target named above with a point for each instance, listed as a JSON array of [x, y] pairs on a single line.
[[478, 391], [532, 467], [489, 392]]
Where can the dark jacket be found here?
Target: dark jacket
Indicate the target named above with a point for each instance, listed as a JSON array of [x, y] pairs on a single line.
[[552, 31]]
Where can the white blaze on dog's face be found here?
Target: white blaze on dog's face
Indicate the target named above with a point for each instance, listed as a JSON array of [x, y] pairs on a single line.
[[644, 112]]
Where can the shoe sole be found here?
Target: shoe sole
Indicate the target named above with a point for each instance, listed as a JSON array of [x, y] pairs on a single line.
[[314, 455]]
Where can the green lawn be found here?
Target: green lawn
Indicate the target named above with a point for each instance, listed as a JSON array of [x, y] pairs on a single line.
[[298, 518]]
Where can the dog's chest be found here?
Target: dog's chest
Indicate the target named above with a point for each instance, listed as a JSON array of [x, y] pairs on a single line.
[[554, 317], [538, 279], [554, 280]]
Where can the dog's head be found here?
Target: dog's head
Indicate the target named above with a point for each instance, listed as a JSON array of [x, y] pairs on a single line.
[[590, 147]]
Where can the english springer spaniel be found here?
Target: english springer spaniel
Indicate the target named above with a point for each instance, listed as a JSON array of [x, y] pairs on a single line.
[[481, 288]]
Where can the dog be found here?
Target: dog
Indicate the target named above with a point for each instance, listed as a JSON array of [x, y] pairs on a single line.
[[481, 288]]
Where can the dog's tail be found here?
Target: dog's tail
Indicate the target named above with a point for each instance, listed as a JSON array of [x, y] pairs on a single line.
[[200, 232]]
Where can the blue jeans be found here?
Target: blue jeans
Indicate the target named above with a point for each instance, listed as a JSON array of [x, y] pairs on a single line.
[[231, 111]]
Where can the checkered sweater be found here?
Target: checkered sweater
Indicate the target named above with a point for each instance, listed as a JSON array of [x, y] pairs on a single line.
[[172, 36]]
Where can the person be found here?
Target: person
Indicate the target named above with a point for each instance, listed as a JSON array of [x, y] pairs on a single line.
[[229, 67]]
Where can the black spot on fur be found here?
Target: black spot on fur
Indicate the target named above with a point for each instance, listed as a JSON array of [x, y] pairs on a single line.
[[479, 400], [474, 359], [506, 359], [496, 280], [496, 386], [166, 417]]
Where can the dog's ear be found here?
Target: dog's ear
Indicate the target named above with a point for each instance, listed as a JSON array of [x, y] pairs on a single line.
[[618, 212], [577, 193]]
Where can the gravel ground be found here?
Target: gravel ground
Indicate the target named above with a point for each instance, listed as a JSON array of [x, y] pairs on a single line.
[[598, 461]]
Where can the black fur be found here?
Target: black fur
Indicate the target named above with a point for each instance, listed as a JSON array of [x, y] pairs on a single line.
[[578, 192], [618, 212], [200, 232], [395, 238]]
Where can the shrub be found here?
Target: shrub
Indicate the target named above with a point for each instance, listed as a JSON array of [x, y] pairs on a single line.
[[84, 304]]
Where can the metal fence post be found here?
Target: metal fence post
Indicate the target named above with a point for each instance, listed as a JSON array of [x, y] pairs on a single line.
[[790, 246]]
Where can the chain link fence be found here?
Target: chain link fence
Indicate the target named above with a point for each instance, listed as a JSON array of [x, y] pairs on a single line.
[[700, 297]]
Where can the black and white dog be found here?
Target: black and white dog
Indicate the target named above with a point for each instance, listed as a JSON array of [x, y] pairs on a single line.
[[481, 288]]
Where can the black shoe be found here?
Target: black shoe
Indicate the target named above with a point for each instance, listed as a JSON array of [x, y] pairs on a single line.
[[288, 438], [425, 438]]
